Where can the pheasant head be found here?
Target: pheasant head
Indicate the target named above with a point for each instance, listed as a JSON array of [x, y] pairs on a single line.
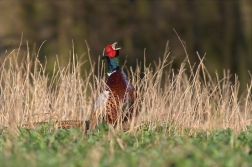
[[111, 54]]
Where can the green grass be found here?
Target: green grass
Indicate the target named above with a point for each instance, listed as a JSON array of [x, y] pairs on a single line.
[[159, 147]]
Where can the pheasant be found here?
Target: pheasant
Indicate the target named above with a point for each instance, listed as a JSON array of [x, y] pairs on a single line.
[[118, 95]]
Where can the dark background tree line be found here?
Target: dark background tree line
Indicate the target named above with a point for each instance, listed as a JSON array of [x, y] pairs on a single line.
[[222, 29]]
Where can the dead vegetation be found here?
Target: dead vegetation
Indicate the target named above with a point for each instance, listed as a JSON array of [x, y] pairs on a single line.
[[195, 101]]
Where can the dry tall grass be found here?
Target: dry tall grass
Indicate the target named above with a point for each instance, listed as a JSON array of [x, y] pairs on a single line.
[[164, 96]]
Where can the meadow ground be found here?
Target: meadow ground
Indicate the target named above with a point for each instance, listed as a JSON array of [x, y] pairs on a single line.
[[184, 119]]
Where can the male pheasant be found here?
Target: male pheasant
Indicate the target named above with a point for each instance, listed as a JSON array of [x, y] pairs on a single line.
[[119, 96]]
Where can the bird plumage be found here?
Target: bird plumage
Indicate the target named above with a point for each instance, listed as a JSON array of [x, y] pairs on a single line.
[[64, 124], [116, 100], [121, 90], [121, 93]]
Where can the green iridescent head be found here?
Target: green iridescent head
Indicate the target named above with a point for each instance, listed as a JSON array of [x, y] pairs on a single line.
[[111, 54]]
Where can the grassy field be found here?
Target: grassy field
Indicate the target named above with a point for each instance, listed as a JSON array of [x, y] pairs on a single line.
[[184, 120], [143, 148]]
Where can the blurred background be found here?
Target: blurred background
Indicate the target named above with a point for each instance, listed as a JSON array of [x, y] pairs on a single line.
[[221, 29]]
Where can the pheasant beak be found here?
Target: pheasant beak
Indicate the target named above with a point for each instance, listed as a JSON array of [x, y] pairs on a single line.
[[113, 46]]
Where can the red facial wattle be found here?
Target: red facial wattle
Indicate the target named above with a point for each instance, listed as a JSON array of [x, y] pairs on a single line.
[[110, 52]]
